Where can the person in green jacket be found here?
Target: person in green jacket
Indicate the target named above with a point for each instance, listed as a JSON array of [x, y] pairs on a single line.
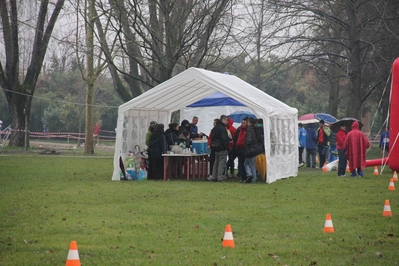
[[149, 132]]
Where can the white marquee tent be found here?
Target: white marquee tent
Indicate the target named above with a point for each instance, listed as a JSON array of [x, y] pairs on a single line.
[[194, 84]]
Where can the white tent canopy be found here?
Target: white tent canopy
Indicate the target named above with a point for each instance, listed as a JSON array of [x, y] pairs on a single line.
[[280, 120]]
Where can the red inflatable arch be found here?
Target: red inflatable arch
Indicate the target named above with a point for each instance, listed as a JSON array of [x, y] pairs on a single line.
[[392, 159]]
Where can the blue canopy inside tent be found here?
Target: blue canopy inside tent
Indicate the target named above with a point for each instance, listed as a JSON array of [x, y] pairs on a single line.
[[216, 99]]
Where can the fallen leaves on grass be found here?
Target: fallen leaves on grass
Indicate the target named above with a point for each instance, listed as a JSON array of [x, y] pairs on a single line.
[[272, 255]]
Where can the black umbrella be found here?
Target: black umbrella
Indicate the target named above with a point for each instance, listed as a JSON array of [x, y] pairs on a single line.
[[347, 122]]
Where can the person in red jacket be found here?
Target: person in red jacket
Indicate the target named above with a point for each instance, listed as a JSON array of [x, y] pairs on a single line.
[[96, 132], [341, 135], [232, 155], [239, 147], [356, 145]]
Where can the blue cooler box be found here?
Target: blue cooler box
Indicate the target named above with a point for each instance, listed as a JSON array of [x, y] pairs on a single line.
[[199, 146]]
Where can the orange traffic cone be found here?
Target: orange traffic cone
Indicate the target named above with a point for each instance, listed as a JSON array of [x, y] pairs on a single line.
[[391, 185], [228, 240], [387, 209], [328, 225], [376, 170], [317, 159], [73, 255], [395, 176], [347, 168], [325, 167]]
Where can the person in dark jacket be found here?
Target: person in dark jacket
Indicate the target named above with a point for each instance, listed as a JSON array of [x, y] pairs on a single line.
[[157, 147], [212, 153], [172, 134], [311, 146], [220, 136], [185, 125], [252, 141], [172, 138]]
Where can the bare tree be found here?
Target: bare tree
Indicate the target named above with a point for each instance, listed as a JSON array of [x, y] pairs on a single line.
[[161, 38], [88, 52], [19, 87], [342, 38]]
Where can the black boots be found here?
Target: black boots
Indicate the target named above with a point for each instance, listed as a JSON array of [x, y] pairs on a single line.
[[248, 180]]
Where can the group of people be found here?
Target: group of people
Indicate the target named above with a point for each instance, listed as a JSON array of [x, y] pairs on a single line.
[[243, 143], [350, 146], [225, 142], [159, 141]]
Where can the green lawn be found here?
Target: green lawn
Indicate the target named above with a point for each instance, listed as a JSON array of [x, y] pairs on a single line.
[[48, 201]]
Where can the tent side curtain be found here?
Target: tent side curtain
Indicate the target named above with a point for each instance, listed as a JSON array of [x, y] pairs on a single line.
[[131, 131]]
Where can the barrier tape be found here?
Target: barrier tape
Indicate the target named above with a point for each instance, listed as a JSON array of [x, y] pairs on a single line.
[[64, 135]]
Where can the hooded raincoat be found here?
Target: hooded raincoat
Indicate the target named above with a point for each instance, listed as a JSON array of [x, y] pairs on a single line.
[[356, 145]]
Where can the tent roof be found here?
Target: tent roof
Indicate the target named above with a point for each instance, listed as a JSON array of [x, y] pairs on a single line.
[[195, 84]]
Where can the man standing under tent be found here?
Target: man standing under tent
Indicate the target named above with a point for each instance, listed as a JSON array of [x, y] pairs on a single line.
[[212, 153], [219, 144], [253, 147], [194, 129], [157, 147], [231, 153]]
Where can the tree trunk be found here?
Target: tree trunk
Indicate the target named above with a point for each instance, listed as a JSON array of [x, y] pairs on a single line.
[[19, 107], [354, 70], [334, 91], [90, 77], [89, 145]]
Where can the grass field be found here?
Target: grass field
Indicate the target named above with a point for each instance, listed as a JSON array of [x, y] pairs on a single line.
[[48, 201]]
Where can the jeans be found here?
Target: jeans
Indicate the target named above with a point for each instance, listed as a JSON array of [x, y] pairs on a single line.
[[250, 168], [211, 162], [241, 168], [219, 165], [300, 149], [309, 153], [322, 153]]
